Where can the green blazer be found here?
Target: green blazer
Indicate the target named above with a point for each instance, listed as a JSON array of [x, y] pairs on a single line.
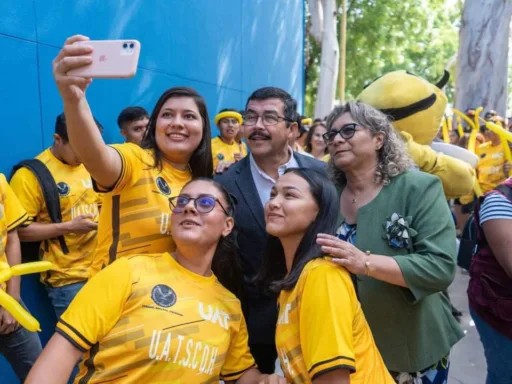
[[413, 327]]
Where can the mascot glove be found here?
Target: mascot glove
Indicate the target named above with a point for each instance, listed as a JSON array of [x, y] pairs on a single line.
[[457, 176]]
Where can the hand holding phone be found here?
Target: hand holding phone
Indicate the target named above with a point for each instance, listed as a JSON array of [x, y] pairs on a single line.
[[110, 59]]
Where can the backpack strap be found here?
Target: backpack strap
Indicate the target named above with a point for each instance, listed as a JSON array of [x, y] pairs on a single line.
[[50, 192]]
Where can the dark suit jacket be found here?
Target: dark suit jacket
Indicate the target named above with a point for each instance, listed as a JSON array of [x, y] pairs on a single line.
[[250, 222]]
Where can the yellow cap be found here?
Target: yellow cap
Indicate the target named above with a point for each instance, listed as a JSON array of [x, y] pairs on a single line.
[[226, 114]]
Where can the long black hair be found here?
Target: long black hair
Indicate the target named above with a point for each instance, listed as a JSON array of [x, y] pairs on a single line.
[[201, 163], [226, 265], [273, 275]]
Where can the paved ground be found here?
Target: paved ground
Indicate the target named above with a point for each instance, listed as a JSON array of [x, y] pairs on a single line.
[[467, 358]]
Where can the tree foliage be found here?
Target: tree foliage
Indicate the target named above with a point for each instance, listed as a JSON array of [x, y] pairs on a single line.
[[420, 36]]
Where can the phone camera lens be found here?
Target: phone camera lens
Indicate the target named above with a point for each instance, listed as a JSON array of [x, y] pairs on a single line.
[[132, 45], [125, 45]]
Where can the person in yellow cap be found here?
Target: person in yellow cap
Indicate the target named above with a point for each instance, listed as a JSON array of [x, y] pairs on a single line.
[[226, 149]]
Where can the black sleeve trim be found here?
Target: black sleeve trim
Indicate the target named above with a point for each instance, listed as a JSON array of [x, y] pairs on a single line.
[[70, 339], [330, 369], [236, 374], [76, 333], [101, 189], [16, 223], [331, 360]]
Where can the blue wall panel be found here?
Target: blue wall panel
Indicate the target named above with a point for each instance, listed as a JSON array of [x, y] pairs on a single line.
[[20, 134], [18, 19], [224, 49]]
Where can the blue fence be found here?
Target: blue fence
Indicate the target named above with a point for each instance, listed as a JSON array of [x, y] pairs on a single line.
[[224, 49]]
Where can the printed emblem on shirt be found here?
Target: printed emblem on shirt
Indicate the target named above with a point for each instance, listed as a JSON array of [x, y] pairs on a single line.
[[162, 185], [63, 189], [163, 295], [220, 156]]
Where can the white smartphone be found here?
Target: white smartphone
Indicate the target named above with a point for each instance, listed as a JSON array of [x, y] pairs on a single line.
[[111, 59]]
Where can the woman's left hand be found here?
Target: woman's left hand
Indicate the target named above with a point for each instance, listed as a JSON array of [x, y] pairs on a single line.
[[343, 253]]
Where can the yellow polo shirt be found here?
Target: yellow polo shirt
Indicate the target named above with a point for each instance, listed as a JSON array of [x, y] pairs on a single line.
[[158, 323], [321, 327]]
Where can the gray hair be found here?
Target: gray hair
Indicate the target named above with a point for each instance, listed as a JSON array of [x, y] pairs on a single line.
[[392, 158]]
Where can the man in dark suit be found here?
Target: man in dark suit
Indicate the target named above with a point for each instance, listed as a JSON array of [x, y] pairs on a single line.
[[270, 123]]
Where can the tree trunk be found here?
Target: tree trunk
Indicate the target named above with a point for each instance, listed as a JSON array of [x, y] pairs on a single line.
[[482, 62], [328, 62], [317, 18]]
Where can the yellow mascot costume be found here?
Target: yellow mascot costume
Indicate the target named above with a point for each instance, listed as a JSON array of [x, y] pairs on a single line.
[[417, 108]]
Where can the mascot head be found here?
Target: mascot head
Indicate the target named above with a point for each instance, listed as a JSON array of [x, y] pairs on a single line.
[[415, 105]]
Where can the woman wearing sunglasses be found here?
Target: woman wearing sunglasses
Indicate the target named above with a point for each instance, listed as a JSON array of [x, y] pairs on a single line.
[[397, 234], [138, 181], [160, 318]]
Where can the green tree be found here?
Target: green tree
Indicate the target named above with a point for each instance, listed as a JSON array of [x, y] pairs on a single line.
[[420, 36]]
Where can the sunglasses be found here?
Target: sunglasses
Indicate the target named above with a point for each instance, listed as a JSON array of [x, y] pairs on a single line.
[[346, 132], [202, 203]]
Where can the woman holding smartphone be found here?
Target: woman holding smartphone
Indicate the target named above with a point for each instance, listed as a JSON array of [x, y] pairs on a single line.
[[322, 335], [166, 318], [135, 216]]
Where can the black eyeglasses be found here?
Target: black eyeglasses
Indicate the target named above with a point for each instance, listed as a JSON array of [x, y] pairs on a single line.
[[346, 132], [267, 118], [203, 203]]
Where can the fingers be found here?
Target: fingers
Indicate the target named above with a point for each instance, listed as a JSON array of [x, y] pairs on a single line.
[[4, 322], [11, 325], [326, 236], [75, 38], [343, 262], [87, 216], [93, 226], [223, 166], [332, 242], [82, 82], [334, 251], [67, 63], [73, 50], [219, 167]]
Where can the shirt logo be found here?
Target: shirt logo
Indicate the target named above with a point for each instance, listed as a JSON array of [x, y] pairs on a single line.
[[63, 189], [87, 183], [162, 185], [214, 315], [220, 156], [163, 295]]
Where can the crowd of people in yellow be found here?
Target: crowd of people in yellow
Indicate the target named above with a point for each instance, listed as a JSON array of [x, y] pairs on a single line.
[[177, 257]]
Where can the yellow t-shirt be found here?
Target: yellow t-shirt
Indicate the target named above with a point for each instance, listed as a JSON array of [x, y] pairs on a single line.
[[135, 214], [76, 197], [159, 323], [321, 327], [490, 165], [12, 214], [222, 151]]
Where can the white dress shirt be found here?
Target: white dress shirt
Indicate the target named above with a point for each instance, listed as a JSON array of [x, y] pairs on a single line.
[[264, 182]]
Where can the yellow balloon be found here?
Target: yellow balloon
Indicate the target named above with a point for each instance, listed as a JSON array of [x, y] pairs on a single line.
[[7, 302], [27, 268], [24, 318], [5, 274]]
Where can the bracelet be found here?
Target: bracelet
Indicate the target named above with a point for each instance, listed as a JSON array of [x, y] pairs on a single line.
[[367, 264]]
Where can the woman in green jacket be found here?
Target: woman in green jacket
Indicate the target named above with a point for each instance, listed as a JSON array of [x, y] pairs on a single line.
[[397, 235]]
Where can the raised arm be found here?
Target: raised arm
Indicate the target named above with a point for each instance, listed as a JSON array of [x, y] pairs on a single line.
[[102, 162]]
